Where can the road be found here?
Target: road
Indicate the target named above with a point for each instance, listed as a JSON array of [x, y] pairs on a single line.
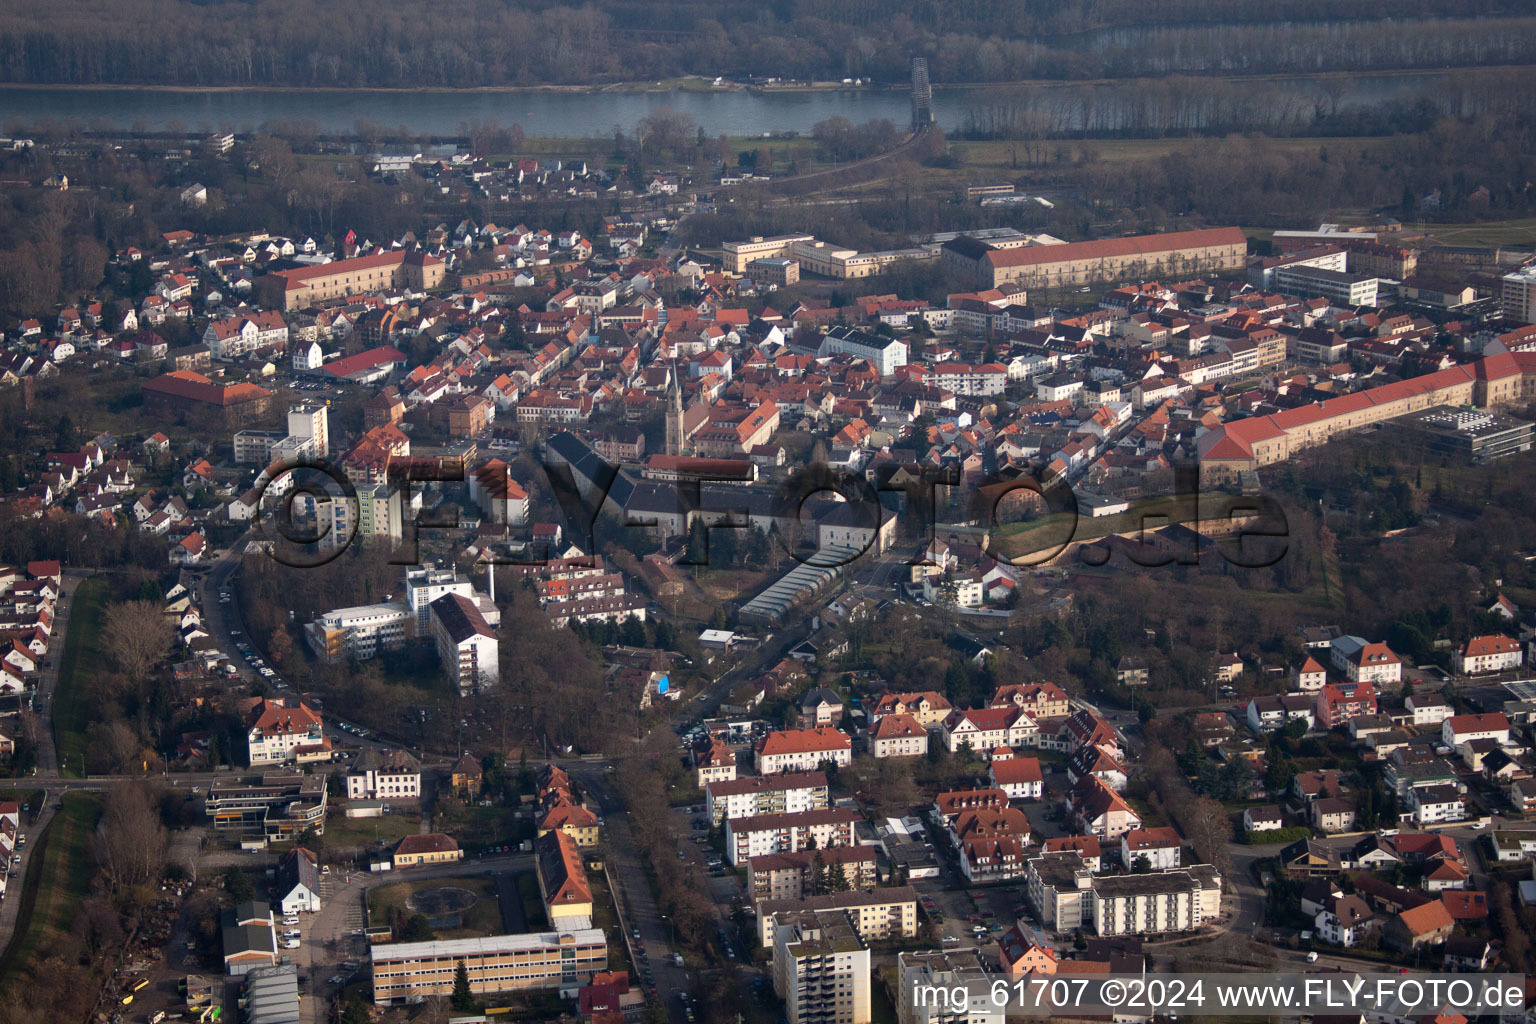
[[48, 676], [634, 899]]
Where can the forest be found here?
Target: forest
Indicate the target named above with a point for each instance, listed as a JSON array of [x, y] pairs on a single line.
[[472, 43]]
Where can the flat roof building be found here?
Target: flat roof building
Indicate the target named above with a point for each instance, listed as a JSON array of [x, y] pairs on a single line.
[[405, 972], [1469, 435]]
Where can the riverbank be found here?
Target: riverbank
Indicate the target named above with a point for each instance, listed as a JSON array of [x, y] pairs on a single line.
[[705, 85]]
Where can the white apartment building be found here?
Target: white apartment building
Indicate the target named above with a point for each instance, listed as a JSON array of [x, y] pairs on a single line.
[[1428, 708], [746, 838], [311, 420], [821, 969], [1517, 296], [928, 972], [1156, 903], [1433, 805], [979, 380], [233, 337], [466, 643], [898, 736], [274, 731], [801, 750], [1459, 729], [983, 729], [362, 631], [1019, 777], [389, 776], [1491, 653], [766, 794], [1159, 847], [886, 354], [427, 584]]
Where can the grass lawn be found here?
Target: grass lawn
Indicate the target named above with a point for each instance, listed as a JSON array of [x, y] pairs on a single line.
[[82, 652], [55, 888], [484, 918], [1493, 232], [605, 917], [1049, 532], [343, 831], [481, 826]]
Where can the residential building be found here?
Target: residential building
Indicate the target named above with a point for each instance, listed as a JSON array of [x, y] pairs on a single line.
[[384, 775], [791, 793], [1262, 819], [275, 732], [1055, 884], [1434, 805], [928, 706], [426, 848], [1332, 814], [1158, 848], [801, 750], [898, 735], [821, 969], [1337, 703], [876, 916], [793, 876], [1019, 777], [1517, 296], [1157, 903], [562, 882], [714, 762], [1344, 920], [1483, 654], [946, 970], [409, 972], [1101, 811], [1428, 708], [466, 644], [298, 882], [746, 838]]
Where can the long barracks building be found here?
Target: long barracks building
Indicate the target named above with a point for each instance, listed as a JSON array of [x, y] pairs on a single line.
[[1247, 444], [1177, 254], [364, 275]]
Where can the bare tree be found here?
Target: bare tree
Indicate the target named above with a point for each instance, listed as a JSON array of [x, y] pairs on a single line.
[[130, 843], [137, 637]]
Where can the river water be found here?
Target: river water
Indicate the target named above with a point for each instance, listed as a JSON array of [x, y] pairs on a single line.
[[545, 114]]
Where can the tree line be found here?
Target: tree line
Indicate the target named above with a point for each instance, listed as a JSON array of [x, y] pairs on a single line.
[[470, 43]]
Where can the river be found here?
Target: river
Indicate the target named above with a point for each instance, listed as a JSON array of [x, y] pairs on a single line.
[[562, 114]]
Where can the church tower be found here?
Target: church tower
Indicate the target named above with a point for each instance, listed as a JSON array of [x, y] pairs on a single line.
[[675, 417]]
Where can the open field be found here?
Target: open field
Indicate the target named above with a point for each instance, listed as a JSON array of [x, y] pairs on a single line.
[[999, 154], [82, 652], [484, 918], [1493, 232], [343, 831], [57, 886]]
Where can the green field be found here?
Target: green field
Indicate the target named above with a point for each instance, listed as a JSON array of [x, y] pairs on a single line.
[[1050, 532], [55, 888], [343, 831], [82, 653]]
